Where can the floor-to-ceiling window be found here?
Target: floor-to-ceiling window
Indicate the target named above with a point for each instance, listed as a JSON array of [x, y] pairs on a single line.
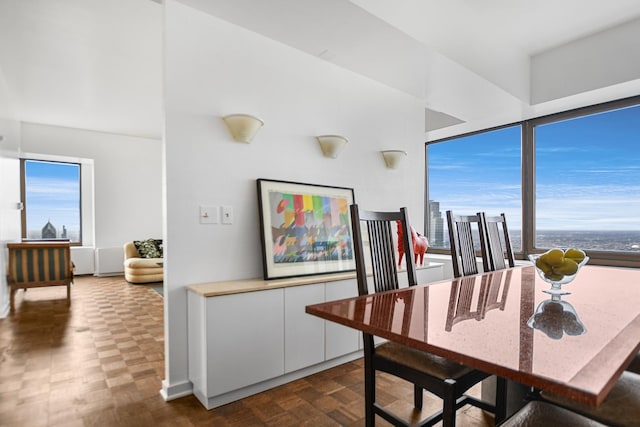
[[566, 180]]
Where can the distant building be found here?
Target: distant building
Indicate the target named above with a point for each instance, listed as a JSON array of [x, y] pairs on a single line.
[[49, 231], [64, 232], [436, 225]]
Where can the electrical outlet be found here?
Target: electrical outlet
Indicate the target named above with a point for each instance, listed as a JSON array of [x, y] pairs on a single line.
[[227, 214]]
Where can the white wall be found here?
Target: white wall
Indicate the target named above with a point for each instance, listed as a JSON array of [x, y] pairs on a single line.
[[214, 68], [127, 173], [9, 187], [9, 197]]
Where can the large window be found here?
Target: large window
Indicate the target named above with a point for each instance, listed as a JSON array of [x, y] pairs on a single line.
[[587, 180], [51, 200], [576, 173], [473, 173]]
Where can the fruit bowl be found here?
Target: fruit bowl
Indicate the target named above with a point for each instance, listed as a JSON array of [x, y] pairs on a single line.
[[559, 267]]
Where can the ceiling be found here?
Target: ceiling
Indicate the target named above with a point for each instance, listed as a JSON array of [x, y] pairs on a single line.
[[96, 64], [89, 64]]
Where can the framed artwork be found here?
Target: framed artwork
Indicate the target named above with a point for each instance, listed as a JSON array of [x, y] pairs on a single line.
[[305, 229]]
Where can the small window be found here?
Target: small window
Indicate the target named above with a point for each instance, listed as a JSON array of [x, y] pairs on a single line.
[[51, 199]]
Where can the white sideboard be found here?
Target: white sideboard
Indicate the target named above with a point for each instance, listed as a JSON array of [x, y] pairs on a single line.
[[247, 336]]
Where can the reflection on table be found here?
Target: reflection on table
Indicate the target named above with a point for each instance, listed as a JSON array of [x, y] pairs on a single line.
[[488, 298], [556, 317]]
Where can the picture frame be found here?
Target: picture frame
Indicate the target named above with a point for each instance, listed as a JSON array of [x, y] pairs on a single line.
[[305, 229]]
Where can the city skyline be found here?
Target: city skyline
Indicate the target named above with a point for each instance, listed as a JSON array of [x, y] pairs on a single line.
[[627, 240]]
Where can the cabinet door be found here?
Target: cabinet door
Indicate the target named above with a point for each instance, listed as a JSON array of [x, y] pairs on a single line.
[[340, 340], [245, 339], [303, 333]]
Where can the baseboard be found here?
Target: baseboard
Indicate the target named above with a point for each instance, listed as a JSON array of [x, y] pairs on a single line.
[[175, 391]]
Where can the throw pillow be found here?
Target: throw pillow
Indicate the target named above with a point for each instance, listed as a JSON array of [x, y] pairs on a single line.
[[148, 248], [159, 246]]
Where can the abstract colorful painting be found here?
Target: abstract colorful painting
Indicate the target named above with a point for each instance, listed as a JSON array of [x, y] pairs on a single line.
[[306, 228]]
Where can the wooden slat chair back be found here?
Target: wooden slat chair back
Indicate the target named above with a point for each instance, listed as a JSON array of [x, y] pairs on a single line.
[[463, 242], [381, 228], [496, 247], [38, 264], [440, 376]]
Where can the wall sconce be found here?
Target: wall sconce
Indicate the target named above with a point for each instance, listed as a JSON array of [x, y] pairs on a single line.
[[392, 158], [243, 127], [332, 145]]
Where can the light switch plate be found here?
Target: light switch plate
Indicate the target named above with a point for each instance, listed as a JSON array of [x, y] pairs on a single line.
[[227, 214], [209, 215]]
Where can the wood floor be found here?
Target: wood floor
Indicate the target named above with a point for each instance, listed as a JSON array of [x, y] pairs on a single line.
[[100, 362]]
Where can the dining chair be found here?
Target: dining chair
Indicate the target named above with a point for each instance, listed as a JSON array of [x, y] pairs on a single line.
[[541, 414], [463, 243], [620, 408], [442, 377], [495, 244]]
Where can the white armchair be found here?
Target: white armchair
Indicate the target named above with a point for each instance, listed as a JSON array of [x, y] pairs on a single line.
[[138, 269]]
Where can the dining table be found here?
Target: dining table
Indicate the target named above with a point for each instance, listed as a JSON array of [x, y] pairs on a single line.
[[576, 344]]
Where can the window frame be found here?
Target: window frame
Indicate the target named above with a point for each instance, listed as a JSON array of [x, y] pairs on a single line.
[[528, 183], [23, 197]]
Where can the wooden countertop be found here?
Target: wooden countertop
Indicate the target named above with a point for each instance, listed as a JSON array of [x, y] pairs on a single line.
[[212, 289], [227, 287]]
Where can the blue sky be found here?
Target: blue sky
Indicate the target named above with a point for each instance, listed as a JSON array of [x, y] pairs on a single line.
[[53, 194], [587, 173]]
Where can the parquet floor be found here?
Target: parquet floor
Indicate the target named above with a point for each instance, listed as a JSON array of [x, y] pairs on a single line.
[[100, 362]]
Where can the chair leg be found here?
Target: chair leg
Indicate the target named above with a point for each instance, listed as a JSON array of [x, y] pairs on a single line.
[[417, 396], [369, 393], [449, 405], [12, 299], [68, 293]]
